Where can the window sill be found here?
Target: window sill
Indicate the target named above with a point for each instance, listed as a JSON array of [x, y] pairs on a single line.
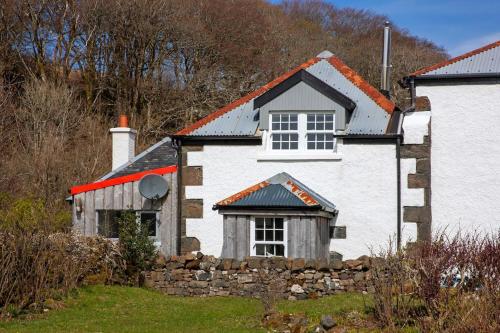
[[298, 157]]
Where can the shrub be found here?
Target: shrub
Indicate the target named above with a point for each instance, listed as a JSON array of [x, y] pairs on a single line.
[[447, 285], [137, 247]]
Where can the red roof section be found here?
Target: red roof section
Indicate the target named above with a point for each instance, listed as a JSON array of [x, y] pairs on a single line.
[[121, 180], [364, 86], [242, 194], [246, 98], [456, 59]]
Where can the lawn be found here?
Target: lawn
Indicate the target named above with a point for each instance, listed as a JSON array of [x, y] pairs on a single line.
[[126, 309]]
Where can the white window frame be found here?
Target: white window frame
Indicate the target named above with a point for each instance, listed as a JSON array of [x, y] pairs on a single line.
[[323, 131], [253, 242], [281, 131], [269, 154]]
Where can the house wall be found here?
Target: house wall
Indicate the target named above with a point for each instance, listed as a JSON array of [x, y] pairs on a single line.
[[362, 184], [127, 197], [465, 156]]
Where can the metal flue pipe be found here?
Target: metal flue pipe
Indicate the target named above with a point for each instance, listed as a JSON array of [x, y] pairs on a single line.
[[385, 82]]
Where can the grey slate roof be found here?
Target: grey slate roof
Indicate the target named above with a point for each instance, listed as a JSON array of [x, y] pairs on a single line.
[[279, 191], [485, 60], [243, 119], [159, 155]]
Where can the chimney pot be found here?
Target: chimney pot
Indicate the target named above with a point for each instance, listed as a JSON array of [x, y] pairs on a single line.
[[123, 121]]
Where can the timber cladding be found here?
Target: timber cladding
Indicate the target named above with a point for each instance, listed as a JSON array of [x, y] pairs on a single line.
[[421, 215], [190, 208]]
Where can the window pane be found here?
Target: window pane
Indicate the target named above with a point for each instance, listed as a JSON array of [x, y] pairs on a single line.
[[329, 117], [284, 126], [320, 137], [294, 137], [329, 137], [259, 223], [276, 145], [278, 235], [108, 223], [285, 145], [269, 223], [310, 145], [269, 235], [329, 126], [320, 118], [320, 126], [294, 145], [269, 249], [329, 145], [276, 126], [259, 235], [293, 126], [275, 118], [260, 249], [278, 223], [148, 220], [279, 250], [293, 118], [310, 118], [310, 126], [320, 145], [284, 118]]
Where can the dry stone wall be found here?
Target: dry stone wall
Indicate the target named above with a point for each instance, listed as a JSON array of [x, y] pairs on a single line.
[[200, 275]]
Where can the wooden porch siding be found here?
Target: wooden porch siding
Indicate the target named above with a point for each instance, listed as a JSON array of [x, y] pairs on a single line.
[[236, 243], [127, 197]]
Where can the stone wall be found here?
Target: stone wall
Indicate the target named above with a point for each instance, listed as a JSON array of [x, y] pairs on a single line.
[[200, 275]]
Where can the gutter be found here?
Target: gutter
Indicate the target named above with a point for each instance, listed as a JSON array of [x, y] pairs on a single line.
[[177, 144]]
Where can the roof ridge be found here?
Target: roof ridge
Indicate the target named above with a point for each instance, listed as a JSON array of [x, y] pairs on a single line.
[[456, 59], [240, 195], [231, 106], [362, 84]]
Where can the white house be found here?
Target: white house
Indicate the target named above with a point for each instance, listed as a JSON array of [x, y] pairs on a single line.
[[318, 161]]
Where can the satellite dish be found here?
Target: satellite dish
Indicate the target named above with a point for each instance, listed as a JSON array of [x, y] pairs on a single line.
[[153, 187]]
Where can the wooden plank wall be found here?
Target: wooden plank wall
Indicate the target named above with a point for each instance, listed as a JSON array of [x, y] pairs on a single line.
[[127, 197], [308, 237], [236, 243]]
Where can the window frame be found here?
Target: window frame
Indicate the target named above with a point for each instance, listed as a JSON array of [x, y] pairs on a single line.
[[138, 220], [253, 242], [302, 135], [287, 131], [324, 131]]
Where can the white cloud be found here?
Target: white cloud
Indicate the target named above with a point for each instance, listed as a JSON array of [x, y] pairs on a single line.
[[474, 43]]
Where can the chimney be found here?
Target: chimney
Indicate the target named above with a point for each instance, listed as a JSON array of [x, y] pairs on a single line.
[[123, 142], [385, 82]]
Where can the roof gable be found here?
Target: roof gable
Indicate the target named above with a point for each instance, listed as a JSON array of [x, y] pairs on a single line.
[[484, 60], [239, 118], [279, 191], [311, 81]]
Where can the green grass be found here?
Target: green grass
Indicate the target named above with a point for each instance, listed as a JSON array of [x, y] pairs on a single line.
[[126, 309]]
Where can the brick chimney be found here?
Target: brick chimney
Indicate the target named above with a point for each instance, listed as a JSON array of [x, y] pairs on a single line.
[[123, 142]]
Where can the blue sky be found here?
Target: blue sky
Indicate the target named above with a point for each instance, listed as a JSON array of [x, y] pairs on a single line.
[[457, 25]]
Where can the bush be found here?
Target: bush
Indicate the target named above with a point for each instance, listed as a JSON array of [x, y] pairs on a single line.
[[447, 285], [137, 247]]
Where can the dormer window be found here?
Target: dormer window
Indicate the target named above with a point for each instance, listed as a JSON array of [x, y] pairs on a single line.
[[285, 135], [303, 131]]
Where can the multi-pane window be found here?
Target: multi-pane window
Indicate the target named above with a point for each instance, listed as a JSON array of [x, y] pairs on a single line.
[[269, 236], [108, 222], [320, 131], [285, 131]]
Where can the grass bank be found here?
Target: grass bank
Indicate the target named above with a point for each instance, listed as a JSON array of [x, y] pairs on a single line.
[[125, 309]]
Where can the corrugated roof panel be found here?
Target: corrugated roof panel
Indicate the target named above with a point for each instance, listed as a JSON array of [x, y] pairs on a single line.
[[240, 121], [368, 117], [273, 195], [481, 63]]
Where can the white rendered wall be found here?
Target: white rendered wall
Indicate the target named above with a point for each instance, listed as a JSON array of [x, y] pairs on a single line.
[[123, 145], [465, 156], [362, 184]]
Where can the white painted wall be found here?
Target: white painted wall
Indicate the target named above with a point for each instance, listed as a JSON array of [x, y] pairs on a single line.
[[123, 145], [362, 184], [465, 156]]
